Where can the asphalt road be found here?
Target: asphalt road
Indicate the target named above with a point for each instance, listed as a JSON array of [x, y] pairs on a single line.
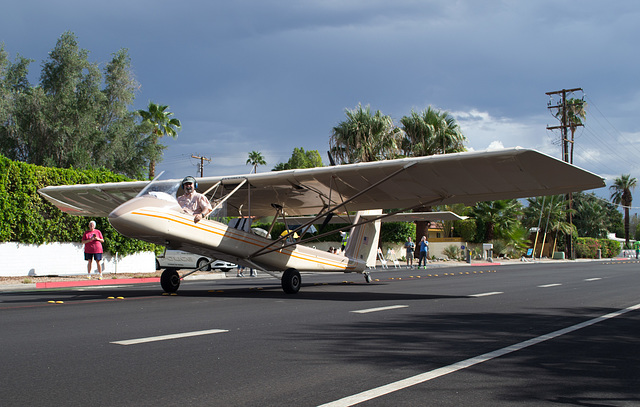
[[527, 334]]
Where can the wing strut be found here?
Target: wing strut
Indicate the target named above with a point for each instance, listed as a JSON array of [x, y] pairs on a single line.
[[223, 200], [267, 249]]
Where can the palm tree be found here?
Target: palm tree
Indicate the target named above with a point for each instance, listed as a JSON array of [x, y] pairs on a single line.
[[590, 219], [255, 159], [550, 214], [576, 113], [431, 132], [161, 125], [364, 137], [621, 195], [498, 217], [427, 133]]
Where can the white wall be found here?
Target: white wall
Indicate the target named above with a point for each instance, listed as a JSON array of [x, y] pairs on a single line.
[[17, 259]]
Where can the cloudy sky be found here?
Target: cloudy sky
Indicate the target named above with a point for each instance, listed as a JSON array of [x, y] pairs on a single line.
[[274, 75]]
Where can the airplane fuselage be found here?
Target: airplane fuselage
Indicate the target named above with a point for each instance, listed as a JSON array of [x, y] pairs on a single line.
[[163, 222]]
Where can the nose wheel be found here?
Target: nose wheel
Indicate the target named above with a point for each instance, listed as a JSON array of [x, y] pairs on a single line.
[[170, 280]]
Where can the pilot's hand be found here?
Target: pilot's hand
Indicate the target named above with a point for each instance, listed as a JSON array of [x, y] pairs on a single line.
[[197, 218]]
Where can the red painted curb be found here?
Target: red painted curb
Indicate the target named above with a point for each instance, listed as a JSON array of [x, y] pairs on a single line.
[[485, 264], [111, 281]]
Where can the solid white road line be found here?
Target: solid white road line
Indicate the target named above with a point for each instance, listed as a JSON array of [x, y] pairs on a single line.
[[167, 337], [423, 377], [366, 311], [549, 285], [486, 294]]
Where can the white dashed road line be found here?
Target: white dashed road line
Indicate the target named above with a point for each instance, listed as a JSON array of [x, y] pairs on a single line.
[[168, 337], [549, 285], [366, 311], [486, 294]]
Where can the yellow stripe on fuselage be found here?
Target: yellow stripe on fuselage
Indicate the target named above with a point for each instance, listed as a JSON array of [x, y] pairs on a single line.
[[223, 231]]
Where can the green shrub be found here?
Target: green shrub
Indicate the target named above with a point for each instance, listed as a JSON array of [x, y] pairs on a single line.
[[452, 252], [397, 232], [587, 247]]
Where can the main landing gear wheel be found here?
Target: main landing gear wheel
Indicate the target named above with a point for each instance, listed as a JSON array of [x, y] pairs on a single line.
[[367, 276], [291, 281], [201, 263], [170, 280]]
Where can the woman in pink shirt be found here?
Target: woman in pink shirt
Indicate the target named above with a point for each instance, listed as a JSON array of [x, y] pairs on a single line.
[[92, 240]]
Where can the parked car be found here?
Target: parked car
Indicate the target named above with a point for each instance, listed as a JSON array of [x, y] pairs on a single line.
[[185, 260]]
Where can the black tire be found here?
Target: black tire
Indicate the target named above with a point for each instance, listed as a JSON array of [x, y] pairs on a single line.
[[170, 280], [202, 262], [291, 281]]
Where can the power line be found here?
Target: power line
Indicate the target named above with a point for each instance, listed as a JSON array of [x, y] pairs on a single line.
[[619, 133]]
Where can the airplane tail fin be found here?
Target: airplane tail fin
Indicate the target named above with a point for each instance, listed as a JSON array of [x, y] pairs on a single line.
[[363, 239]]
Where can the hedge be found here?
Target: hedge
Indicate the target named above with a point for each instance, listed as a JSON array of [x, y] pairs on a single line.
[[25, 217], [587, 247]]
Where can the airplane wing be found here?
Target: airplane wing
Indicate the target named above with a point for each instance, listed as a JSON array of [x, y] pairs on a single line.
[[467, 178], [398, 217]]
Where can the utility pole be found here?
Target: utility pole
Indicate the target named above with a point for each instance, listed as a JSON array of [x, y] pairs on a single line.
[[201, 165], [565, 124]]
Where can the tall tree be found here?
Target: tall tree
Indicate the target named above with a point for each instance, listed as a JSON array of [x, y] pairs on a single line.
[[431, 132], [364, 137], [72, 86], [300, 159], [621, 195], [255, 159], [14, 84], [160, 122], [126, 145], [427, 133]]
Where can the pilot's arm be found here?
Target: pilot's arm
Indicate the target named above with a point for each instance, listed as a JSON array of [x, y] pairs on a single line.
[[206, 209]]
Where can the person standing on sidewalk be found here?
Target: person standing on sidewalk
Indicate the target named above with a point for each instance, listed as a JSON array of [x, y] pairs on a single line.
[[92, 240], [424, 251], [411, 247]]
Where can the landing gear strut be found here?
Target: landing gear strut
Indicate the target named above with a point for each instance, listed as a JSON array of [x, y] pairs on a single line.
[[170, 280], [291, 281]]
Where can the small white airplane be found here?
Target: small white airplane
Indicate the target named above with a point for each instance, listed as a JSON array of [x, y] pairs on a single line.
[[148, 210]]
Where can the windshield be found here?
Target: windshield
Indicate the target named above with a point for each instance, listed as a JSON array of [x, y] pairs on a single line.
[[165, 190]]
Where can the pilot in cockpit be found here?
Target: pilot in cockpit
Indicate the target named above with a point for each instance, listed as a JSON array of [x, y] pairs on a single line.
[[192, 202]]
